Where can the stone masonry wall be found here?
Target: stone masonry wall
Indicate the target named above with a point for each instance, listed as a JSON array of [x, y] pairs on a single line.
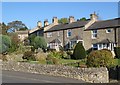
[[93, 75]]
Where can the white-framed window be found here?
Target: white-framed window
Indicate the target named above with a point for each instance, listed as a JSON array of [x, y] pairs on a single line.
[[104, 45], [108, 30], [95, 46], [49, 34], [94, 34], [58, 33], [69, 33]]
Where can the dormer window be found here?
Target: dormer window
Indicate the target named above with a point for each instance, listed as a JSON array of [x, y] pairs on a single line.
[[94, 34], [69, 33], [108, 30]]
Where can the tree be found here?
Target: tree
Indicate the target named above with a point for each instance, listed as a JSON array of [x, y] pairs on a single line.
[[63, 20], [5, 43], [16, 25], [39, 42], [79, 51], [22, 29], [3, 28], [83, 19], [31, 39], [14, 42]]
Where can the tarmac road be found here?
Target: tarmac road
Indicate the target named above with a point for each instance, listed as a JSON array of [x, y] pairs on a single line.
[[21, 77]]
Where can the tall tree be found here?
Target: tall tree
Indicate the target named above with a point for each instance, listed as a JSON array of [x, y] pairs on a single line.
[[63, 20], [79, 51], [16, 25]]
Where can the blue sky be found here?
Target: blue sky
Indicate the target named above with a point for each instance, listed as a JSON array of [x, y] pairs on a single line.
[[31, 12]]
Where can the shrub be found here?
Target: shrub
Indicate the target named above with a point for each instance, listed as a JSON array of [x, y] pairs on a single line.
[[49, 60], [52, 60], [3, 57], [100, 58], [55, 54], [65, 55], [61, 48], [117, 52], [41, 57], [79, 51], [5, 43], [13, 47], [39, 42], [29, 56]]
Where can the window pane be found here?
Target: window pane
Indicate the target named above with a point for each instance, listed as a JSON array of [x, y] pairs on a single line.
[[95, 46], [69, 33]]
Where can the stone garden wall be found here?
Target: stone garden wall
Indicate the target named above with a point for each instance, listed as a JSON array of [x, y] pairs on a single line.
[[93, 75]]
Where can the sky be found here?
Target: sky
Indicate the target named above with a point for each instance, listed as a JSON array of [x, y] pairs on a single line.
[[31, 12]]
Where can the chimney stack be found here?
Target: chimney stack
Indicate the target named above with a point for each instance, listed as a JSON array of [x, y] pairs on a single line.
[[71, 19], [46, 23], [55, 20], [94, 16], [39, 24]]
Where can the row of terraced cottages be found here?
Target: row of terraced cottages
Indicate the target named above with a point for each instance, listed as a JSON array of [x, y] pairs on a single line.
[[92, 33]]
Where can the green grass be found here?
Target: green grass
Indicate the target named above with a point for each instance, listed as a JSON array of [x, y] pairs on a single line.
[[68, 61], [64, 61]]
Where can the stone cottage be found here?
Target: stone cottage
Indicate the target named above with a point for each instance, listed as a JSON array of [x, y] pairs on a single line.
[[92, 33]]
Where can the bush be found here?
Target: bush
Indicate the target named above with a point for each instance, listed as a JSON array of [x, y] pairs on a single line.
[[117, 52], [5, 43], [52, 60], [3, 57], [55, 54], [79, 51], [29, 56], [41, 57], [65, 55], [100, 58], [39, 42]]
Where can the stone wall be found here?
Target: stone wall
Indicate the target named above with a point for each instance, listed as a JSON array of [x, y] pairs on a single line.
[[93, 75]]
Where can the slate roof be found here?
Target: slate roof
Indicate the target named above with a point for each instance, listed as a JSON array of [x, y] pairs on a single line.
[[68, 26], [105, 24], [55, 41]]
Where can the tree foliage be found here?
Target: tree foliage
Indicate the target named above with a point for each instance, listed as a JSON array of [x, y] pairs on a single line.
[[83, 19], [79, 51], [39, 42], [14, 42], [3, 28], [16, 25], [117, 52], [31, 39], [63, 20], [5, 43], [100, 58]]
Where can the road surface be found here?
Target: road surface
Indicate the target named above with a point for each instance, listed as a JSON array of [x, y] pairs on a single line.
[[20, 77]]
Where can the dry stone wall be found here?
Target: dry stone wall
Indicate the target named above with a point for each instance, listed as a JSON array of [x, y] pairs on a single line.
[[93, 75]]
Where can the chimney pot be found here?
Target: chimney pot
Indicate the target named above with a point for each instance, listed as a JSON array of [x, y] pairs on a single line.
[[39, 24], [93, 16], [71, 19], [46, 22], [55, 20]]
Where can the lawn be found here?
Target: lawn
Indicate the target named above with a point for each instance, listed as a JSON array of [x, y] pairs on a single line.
[[71, 62]]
